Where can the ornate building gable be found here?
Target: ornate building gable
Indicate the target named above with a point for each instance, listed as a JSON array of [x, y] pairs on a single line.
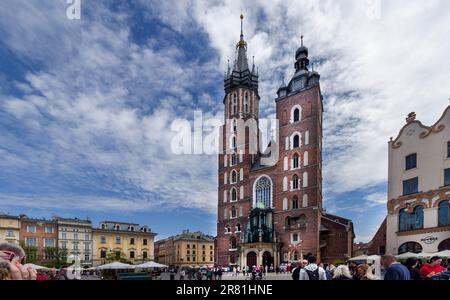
[[416, 128]]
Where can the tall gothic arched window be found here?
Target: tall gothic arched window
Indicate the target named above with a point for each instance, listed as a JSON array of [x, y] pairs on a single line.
[[295, 182], [234, 104], [247, 107], [263, 192], [296, 161], [295, 202]]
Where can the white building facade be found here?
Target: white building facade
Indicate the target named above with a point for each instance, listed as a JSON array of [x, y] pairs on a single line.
[[419, 188], [75, 236]]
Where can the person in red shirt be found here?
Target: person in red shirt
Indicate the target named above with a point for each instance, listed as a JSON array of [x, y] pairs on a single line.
[[433, 268]]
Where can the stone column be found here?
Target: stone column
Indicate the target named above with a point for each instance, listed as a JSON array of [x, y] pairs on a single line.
[[260, 258]]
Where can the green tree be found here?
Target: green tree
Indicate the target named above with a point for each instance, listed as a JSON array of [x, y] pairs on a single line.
[[116, 256], [31, 252], [55, 257]]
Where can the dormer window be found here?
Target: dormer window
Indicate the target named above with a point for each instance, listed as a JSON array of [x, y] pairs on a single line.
[[103, 226], [131, 228], [117, 227]]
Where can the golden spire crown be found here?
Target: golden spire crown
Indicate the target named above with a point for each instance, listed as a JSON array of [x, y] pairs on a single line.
[[242, 43]]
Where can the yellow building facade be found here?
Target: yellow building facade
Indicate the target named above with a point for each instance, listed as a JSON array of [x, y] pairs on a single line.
[[9, 229], [115, 241], [189, 249]]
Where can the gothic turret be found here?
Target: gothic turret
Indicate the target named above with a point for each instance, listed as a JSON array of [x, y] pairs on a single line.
[[303, 77], [301, 57], [241, 75]]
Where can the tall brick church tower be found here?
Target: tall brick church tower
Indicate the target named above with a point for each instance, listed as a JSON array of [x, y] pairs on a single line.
[[270, 210]]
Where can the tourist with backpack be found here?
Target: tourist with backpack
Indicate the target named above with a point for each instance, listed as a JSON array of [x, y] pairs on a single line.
[[296, 271], [312, 271]]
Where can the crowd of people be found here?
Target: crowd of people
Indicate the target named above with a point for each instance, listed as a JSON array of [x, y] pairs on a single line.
[[12, 258], [434, 269]]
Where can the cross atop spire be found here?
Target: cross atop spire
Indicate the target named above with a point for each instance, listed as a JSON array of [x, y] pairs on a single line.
[[242, 27], [302, 39]]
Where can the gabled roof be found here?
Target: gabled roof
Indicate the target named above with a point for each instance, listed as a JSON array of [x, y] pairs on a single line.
[[437, 127]]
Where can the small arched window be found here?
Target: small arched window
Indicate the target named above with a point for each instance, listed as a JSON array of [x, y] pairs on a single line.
[[233, 243], [238, 227], [296, 141], [233, 194], [117, 227], [233, 142], [296, 161], [295, 202], [233, 159], [233, 212], [444, 213], [410, 247], [233, 176], [227, 229], [295, 182], [131, 241], [296, 115]]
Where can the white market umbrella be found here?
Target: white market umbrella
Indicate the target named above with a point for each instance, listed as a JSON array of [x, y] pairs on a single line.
[[151, 264], [425, 255], [445, 253], [35, 267], [361, 257], [116, 266], [407, 255]]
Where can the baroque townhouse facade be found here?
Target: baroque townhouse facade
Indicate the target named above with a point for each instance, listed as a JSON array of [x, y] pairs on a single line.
[[270, 202], [75, 236], [188, 249], [9, 229], [40, 234], [127, 241], [419, 187]]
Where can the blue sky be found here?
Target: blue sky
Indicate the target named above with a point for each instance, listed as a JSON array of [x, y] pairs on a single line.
[[86, 106]]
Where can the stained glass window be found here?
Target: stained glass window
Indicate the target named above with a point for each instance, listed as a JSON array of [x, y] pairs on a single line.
[[263, 193]]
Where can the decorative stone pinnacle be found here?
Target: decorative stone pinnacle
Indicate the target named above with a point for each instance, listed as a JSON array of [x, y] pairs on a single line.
[[411, 117]]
